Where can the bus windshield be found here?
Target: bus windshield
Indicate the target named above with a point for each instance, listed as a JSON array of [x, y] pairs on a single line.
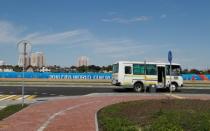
[[115, 68], [175, 70]]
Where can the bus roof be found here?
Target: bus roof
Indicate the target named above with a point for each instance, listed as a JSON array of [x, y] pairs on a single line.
[[140, 62]]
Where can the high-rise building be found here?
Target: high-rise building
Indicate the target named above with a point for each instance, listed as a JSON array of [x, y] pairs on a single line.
[[83, 61], [37, 59], [21, 60]]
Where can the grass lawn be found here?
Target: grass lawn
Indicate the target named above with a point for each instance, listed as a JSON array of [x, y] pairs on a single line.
[[156, 115], [9, 110]]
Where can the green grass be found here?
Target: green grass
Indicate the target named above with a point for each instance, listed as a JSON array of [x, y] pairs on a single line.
[[180, 121], [156, 115], [115, 123], [9, 110]]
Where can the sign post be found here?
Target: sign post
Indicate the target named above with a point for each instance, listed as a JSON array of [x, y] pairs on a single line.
[[145, 89], [170, 57]]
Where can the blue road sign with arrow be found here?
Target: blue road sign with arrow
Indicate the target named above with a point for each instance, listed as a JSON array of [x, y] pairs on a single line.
[[170, 57]]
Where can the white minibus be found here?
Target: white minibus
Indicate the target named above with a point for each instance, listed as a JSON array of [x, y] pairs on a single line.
[[141, 75]]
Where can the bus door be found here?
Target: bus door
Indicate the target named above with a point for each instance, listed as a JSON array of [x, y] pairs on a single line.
[[128, 74], [161, 75]]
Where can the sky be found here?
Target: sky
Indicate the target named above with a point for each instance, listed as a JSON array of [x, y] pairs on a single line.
[[108, 30]]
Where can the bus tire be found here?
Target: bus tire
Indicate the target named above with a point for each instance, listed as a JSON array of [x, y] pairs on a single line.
[[138, 87], [175, 86]]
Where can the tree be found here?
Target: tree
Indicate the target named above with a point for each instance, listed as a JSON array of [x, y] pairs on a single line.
[[73, 69], [82, 69], [194, 71], [17, 68], [55, 68], [185, 71], [93, 68]]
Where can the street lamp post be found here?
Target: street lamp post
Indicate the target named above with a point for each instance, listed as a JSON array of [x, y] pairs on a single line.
[[24, 48]]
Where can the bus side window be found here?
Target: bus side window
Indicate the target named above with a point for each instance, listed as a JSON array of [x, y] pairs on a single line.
[[151, 70], [127, 70]]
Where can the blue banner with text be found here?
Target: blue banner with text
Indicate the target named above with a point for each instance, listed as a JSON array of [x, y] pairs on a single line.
[[107, 76], [49, 75]]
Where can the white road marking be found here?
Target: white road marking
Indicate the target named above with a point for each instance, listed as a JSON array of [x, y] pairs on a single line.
[[2, 107], [61, 112], [25, 96], [4, 98], [16, 97], [175, 96]]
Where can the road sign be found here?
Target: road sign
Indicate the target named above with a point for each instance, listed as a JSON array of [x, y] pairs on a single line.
[[170, 57]]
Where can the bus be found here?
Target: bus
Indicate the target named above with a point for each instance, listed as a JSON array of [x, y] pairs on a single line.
[[142, 76]]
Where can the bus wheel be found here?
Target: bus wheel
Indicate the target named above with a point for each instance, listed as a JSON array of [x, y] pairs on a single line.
[[174, 87], [138, 87]]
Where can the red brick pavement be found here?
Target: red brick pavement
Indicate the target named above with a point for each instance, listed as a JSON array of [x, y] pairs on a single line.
[[73, 114]]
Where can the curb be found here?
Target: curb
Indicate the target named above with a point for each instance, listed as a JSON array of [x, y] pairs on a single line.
[[100, 86]]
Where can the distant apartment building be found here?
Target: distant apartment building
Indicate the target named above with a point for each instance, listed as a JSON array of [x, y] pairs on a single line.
[[6, 70], [2, 62], [83, 61], [21, 60], [37, 59]]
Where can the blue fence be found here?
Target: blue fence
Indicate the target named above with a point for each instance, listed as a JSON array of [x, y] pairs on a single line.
[[47, 75], [195, 77]]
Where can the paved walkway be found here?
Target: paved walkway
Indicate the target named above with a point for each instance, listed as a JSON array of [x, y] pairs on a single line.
[[73, 114]]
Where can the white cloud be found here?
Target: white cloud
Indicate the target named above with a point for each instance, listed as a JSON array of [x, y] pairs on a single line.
[[78, 40], [67, 37], [126, 20], [9, 32]]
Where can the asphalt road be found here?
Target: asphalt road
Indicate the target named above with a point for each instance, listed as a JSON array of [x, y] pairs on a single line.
[[72, 91]]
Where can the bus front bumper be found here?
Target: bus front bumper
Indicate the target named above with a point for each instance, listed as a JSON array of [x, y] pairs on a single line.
[[116, 83]]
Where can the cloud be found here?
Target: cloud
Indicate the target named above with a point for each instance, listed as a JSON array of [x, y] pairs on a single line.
[[163, 16], [9, 33], [67, 37], [79, 40], [126, 21]]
